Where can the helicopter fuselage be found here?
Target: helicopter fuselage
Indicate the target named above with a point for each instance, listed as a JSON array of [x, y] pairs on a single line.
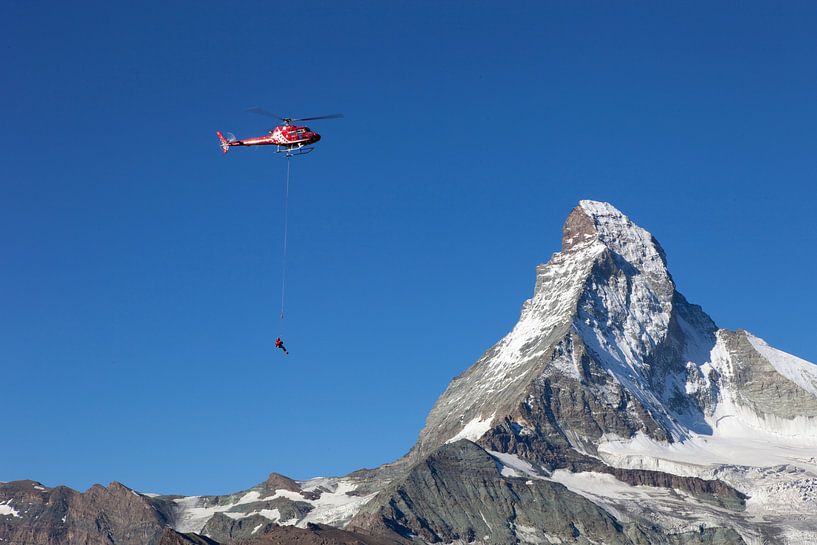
[[284, 136]]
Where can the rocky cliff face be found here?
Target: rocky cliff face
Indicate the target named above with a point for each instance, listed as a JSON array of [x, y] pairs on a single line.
[[312, 534], [615, 411], [37, 515]]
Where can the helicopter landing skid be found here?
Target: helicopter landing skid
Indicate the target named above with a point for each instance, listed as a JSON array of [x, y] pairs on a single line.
[[290, 152]]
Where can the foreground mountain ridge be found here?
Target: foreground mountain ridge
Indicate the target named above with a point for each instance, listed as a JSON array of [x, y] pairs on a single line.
[[614, 412]]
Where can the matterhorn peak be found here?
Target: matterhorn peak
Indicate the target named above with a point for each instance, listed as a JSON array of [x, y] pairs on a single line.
[[607, 299], [601, 221]]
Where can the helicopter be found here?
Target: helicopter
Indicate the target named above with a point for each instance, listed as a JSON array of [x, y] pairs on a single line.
[[287, 138]]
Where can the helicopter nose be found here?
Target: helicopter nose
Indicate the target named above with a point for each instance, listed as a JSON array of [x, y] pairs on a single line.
[[316, 137]]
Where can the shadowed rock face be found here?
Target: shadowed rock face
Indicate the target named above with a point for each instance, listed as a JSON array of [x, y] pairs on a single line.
[[226, 529], [458, 494], [313, 534], [320, 534], [171, 537]]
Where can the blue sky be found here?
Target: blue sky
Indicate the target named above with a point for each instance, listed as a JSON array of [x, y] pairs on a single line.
[[140, 271]]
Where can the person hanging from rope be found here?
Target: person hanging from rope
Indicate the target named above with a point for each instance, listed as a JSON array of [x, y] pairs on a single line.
[[280, 344]]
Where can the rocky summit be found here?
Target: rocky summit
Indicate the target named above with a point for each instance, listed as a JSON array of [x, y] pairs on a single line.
[[614, 412]]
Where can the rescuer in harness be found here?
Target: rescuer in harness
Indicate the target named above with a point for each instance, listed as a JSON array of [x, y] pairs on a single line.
[[280, 344]]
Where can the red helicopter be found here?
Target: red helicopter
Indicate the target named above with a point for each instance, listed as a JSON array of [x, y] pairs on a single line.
[[287, 138]]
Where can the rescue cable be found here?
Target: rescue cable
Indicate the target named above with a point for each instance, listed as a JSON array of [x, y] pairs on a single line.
[[286, 222]]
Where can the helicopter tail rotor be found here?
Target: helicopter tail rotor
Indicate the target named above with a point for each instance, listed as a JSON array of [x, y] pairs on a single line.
[[225, 142]]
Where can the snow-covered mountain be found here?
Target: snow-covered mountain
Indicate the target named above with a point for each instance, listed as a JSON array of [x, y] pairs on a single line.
[[614, 412], [610, 369]]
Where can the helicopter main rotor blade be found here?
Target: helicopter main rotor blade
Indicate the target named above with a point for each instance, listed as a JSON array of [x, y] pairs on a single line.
[[262, 111], [330, 116]]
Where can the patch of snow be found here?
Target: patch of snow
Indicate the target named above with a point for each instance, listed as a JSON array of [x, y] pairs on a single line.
[[256, 528], [191, 516], [288, 494], [336, 507], [273, 514], [529, 534], [193, 513], [514, 466], [250, 497], [473, 430], [591, 483], [7, 510], [481, 514]]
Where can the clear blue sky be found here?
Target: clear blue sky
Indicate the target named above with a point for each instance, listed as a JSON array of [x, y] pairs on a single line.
[[140, 267]]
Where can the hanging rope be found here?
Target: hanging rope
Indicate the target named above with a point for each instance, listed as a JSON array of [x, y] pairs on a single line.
[[286, 226]]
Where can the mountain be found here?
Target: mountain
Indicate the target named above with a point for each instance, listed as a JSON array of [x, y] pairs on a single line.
[[615, 412]]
